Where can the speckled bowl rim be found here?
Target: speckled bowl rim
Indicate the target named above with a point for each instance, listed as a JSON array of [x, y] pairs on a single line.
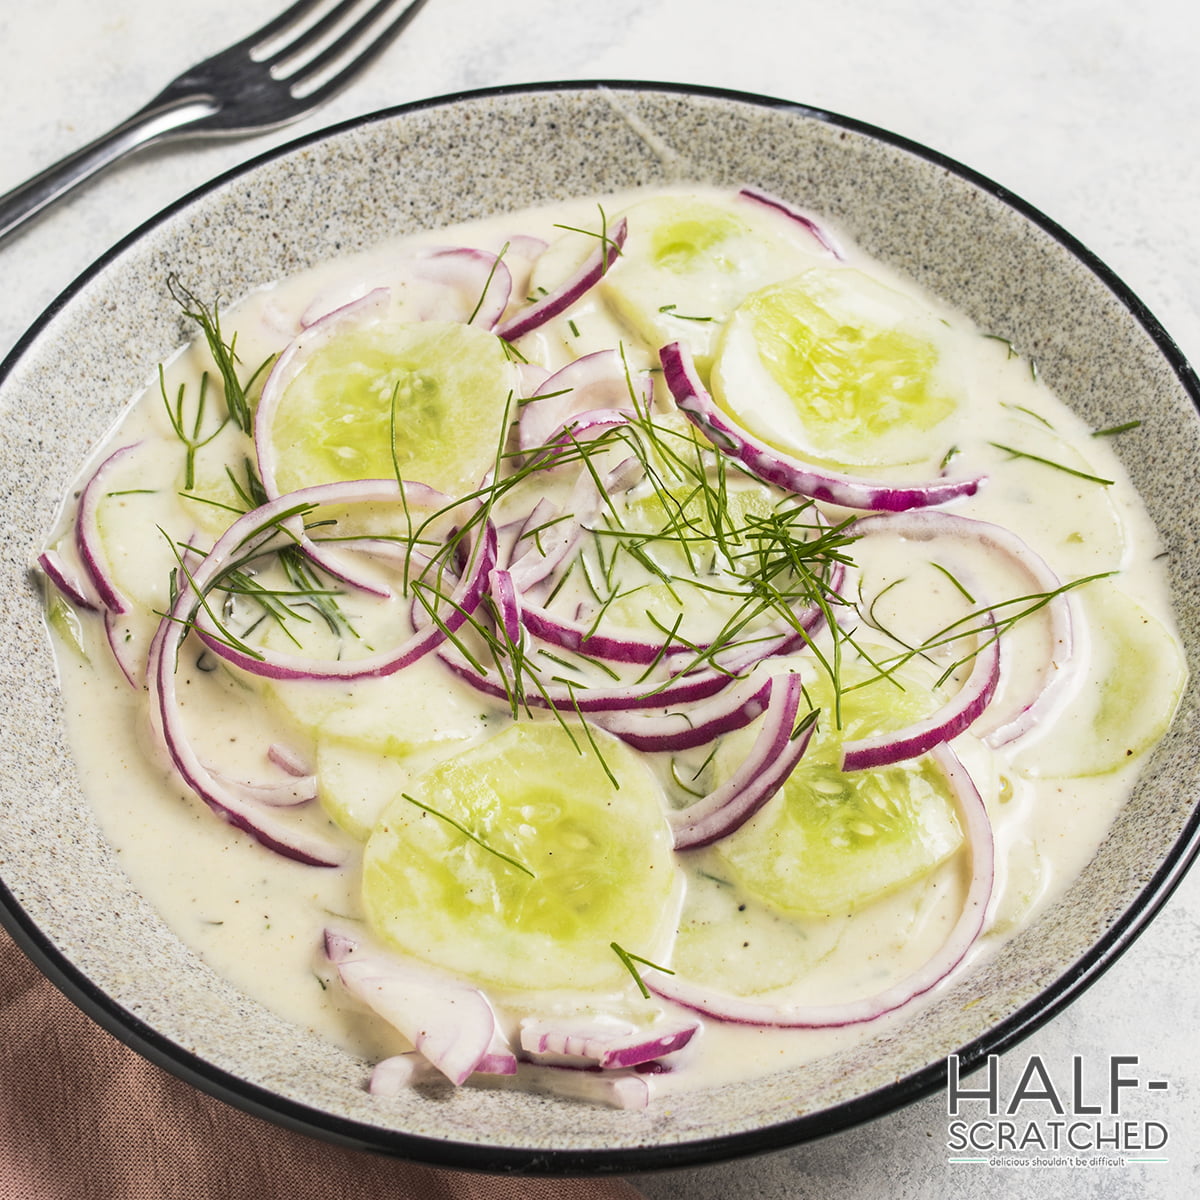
[[262, 1102]]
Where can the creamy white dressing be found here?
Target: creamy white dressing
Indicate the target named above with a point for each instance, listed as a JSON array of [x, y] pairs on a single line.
[[257, 918]]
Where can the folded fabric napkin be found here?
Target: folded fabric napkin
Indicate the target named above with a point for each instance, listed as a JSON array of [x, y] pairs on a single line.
[[83, 1117]]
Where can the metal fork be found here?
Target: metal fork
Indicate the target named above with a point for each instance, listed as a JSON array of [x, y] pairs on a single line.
[[268, 79]]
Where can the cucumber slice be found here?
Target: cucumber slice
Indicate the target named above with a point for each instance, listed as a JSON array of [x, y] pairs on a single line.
[[355, 783], [1026, 879], [450, 385], [687, 263], [395, 714], [601, 860], [736, 944], [1123, 705], [834, 366], [1073, 521], [830, 842]]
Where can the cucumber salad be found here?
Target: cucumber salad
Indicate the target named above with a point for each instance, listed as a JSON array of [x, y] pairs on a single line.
[[605, 649]]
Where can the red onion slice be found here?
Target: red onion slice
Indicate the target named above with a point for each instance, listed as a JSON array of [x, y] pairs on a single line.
[[761, 774], [456, 283], [476, 283], [550, 535], [75, 589], [757, 196], [953, 718], [521, 254], [124, 653], [604, 1044], [594, 382], [254, 529], [530, 378], [392, 1076], [87, 535], [283, 372], [517, 537], [585, 427], [682, 689], [506, 603], [961, 938], [166, 720], [448, 1022], [279, 664], [289, 760], [1054, 676], [683, 686], [581, 638], [676, 729], [772, 466], [588, 275], [783, 636], [284, 793], [499, 1060]]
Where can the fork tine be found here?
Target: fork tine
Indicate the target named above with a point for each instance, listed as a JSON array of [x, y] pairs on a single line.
[[305, 37], [378, 42], [277, 25]]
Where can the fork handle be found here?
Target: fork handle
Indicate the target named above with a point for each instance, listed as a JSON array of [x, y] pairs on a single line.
[[152, 123]]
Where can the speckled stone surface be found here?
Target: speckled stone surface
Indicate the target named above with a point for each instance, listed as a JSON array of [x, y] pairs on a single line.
[[424, 168]]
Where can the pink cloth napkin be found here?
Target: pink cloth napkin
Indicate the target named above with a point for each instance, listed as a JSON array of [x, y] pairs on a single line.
[[83, 1117]]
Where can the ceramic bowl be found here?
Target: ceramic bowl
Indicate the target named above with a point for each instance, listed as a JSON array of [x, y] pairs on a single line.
[[425, 165]]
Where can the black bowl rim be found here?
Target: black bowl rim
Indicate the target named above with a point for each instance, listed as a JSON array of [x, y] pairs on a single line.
[[300, 1118]]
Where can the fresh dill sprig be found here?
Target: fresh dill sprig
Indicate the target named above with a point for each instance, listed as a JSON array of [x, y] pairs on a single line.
[[474, 837], [629, 959], [1049, 462], [684, 787], [804, 724], [984, 625], [606, 242], [511, 352], [188, 433], [537, 396], [202, 602], [224, 354], [1029, 412], [767, 567], [303, 586], [668, 310], [487, 283], [306, 587], [959, 586], [293, 560], [1112, 430]]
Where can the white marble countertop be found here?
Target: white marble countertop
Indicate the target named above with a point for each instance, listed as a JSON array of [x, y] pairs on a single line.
[[1088, 111]]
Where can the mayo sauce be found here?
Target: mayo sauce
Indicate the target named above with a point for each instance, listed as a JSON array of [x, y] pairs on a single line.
[[257, 917]]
